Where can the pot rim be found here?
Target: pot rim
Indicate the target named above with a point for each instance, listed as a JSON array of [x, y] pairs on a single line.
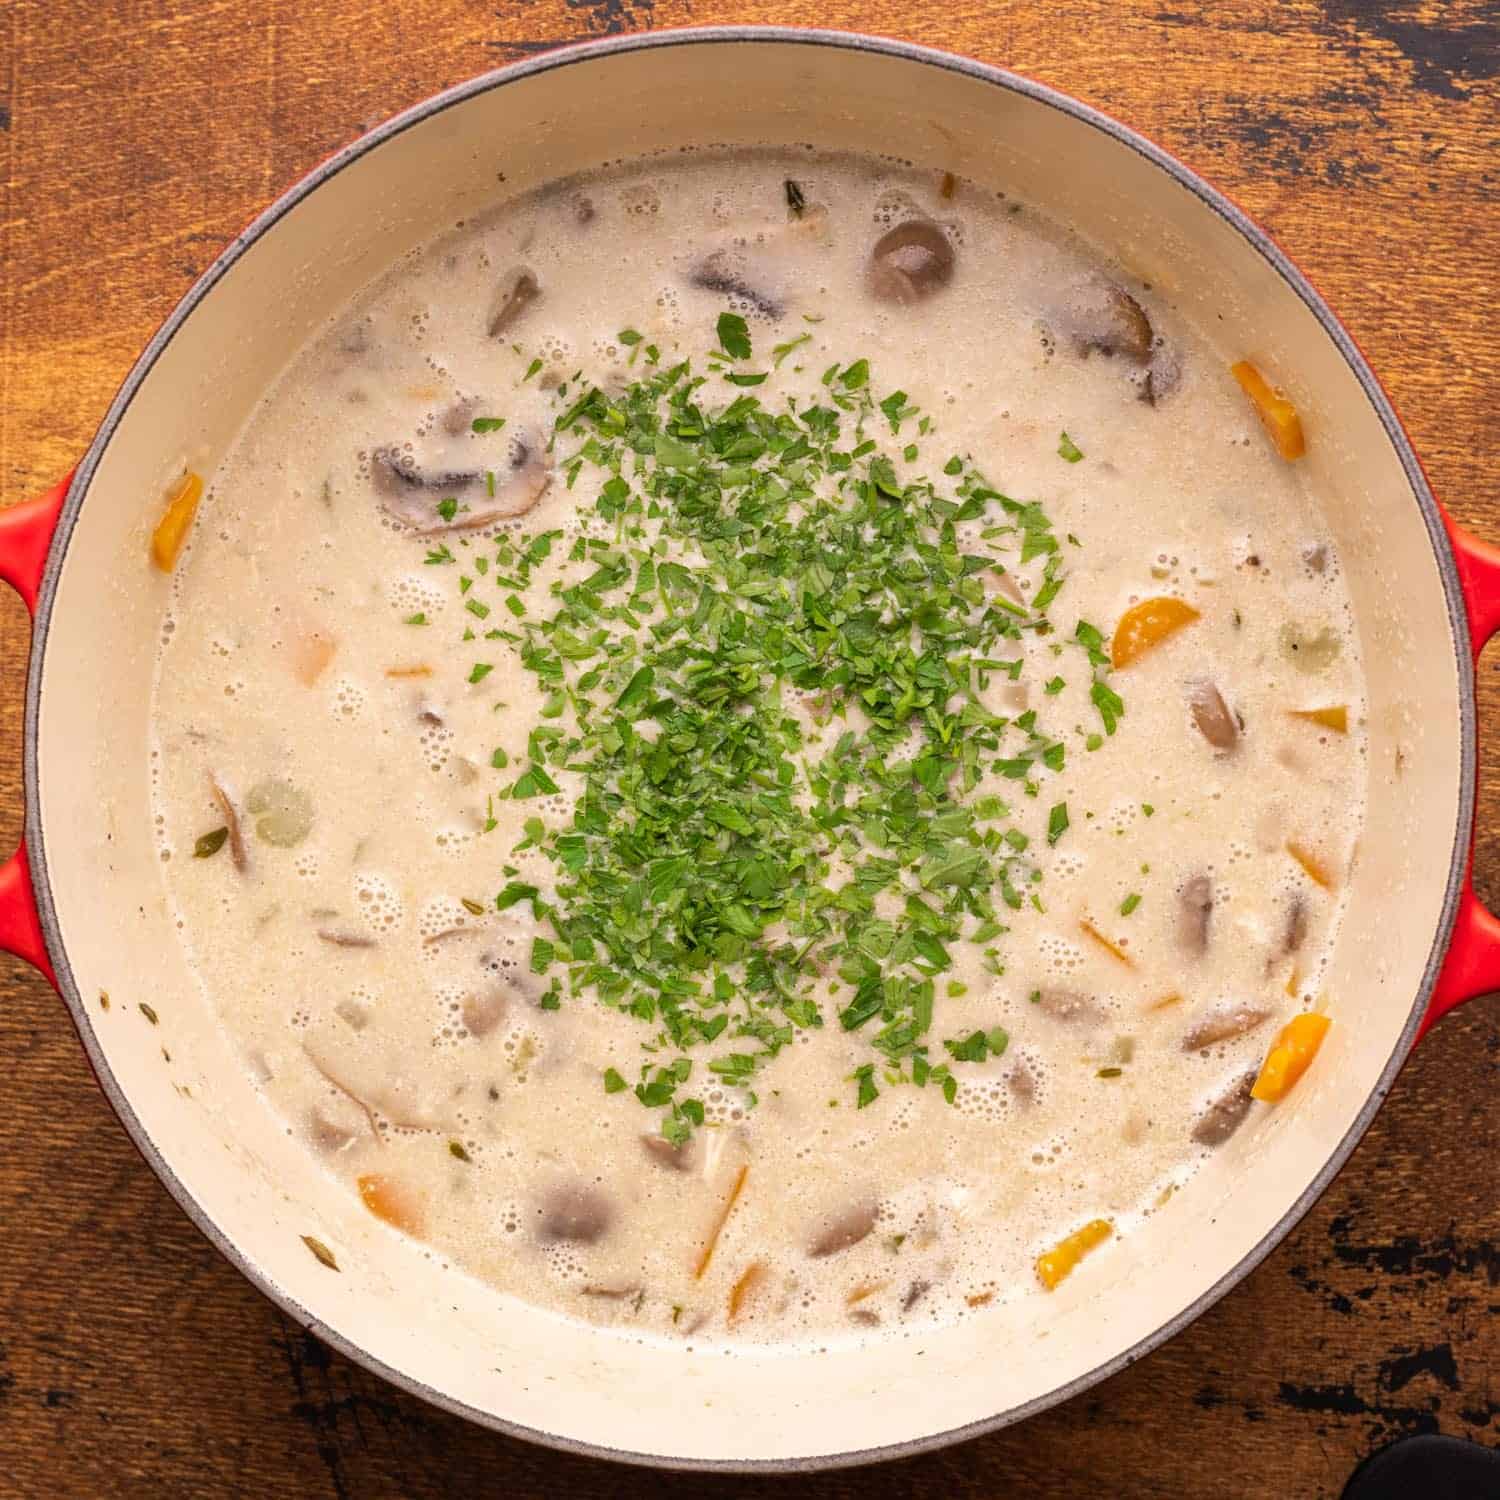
[[563, 57]]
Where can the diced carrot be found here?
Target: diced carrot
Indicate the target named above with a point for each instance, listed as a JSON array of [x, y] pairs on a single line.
[[1278, 416], [420, 669], [1335, 717], [1056, 1264], [311, 655], [979, 1299], [1148, 624], [1113, 949], [392, 1201], [177, 520], [1316, 870], [750, 1278], [1173, 999], [1291, 1053], [707, 1253]]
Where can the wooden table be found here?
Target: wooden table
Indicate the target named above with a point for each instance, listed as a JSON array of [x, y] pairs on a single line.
[[138, 136]]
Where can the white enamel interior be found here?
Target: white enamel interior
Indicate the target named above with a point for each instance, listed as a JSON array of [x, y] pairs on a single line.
[[510, 1363]]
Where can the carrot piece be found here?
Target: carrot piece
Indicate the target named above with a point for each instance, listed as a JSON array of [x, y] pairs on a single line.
[[1291, 1054], [421, 669], [1148, 624], [1314, 868], [1335, 717], [311, 655], [1173, 999], [739, 1293], [390, 1200], [1278, 416], [707, 1253], [1056, 1264], [177, 520], [1113, 949]]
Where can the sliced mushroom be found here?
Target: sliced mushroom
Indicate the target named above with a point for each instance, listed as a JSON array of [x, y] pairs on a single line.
[[1215, 719], [517, 292], [578, 1215], [1069, 1007], [355, 1014], [1294, 932], [1226, 1114], [1102, 318], [1315, 557], [237, 853], [910, 262], [664, 1153], [412, 496], [484, 1010], [914, 1294], [723, 271], [459, 418], [1022, 1084], [332, 1129], [341, 937], [848, 1228], [1195, 909], [1223, 1024], [1163, 374]]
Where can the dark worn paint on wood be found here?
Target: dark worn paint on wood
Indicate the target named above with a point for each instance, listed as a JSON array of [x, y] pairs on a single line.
[[138, 136]]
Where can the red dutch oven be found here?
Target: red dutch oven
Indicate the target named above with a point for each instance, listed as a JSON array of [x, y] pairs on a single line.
[[84, 899]]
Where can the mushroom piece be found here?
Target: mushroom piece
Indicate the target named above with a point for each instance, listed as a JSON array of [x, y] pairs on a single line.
[[914, 1294], [331, 1129], [412, 496], [1215, 719], [665, 1154], [517, 292], [1163, 374], [1021, 1082], [910, 262], [845, 1229], [721, 271], [237, 853], [1294, 933], [1226, 1114], [1195, 909], [1223, 1024], [340, 937], [578, 1215], [483, 1011], [1069, 1007], [1102, 318]]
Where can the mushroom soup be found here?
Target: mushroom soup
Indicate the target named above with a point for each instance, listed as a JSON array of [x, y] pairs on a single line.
[[760, 745]]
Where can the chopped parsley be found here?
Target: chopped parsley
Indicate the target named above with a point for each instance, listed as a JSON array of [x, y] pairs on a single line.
[[1068, 449], [765, 699]]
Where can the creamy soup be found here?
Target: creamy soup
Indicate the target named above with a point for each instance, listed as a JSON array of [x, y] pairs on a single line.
[[761, 745]]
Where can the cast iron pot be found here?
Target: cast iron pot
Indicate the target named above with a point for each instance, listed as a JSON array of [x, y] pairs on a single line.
[[84, 898]]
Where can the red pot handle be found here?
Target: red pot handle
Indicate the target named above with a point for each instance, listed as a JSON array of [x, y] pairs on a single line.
[[25, 536], [1472, 966]]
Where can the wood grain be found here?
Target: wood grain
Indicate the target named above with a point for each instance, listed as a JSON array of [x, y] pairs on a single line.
[[137, 137]]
